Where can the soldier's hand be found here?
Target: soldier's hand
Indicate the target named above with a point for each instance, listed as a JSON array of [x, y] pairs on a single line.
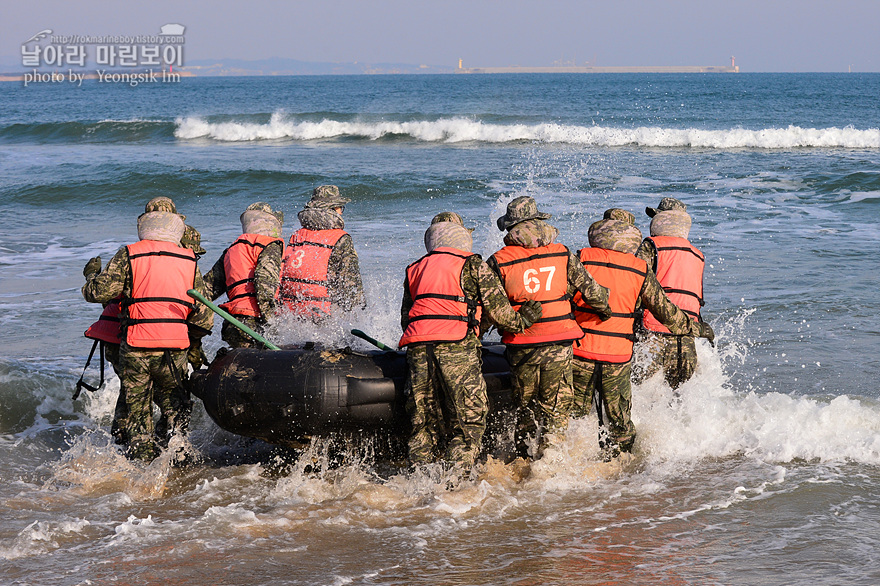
[[707, 332], [196, 355], [93, 267], [605, 315], [531, 312]]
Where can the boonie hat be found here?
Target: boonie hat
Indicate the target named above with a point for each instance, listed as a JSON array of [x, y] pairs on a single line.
[[260, 218], [616, 231], [327, 196], [619, 214], [519, 210], [450, 217], [160, 204], [666, 204], [261, 206], [192, 239]]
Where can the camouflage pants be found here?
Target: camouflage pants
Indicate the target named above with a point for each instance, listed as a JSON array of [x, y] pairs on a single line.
[[448, 404], [675, 355], [146, 379], [614, 386], [237, 338], [120, 413], [542, 389]]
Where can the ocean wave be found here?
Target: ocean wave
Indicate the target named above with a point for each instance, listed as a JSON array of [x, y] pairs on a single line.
[[98, 131], [460, 130]]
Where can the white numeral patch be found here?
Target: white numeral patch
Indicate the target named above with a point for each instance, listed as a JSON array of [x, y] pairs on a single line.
[[298, 258], [532, 281]]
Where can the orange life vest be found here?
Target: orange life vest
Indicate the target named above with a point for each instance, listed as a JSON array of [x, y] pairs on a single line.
[[624, 275], [155, 315], [539, 274], [107, 328], [304, 287], [441, 311], [239, 264], [680, 272]]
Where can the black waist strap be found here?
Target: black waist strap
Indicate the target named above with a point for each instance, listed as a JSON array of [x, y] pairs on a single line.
[[544, 320], [304, 281], [630, 337], [463, 318], [684, 292], [457, 298], [591, 311], [301, 297], [240, 295], [241, 282], [132, 301]]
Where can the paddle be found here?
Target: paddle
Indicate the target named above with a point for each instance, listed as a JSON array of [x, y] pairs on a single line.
[[196, 295], [372, 341]]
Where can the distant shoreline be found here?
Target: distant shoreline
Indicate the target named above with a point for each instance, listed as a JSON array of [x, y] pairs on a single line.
[[609, 69]]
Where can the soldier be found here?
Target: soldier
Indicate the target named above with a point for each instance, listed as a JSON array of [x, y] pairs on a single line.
[[534, 267], [248, 272], [108, 331], [678, 265], [603, 357], [159, 321], [445, 294], [320, 269]]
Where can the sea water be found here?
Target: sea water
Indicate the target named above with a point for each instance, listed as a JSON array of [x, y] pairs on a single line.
[[763, 468]]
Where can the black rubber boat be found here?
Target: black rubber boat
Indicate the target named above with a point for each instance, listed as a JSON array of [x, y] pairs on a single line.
[[286, 396]]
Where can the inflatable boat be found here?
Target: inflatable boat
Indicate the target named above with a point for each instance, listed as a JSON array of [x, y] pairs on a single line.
[[288, 395]]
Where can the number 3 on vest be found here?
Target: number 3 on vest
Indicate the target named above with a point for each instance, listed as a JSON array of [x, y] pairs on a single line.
[[298, 258]]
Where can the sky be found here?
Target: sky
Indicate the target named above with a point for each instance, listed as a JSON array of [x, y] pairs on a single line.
[[763, 35]]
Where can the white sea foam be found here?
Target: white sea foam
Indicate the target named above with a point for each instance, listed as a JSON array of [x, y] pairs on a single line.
[[707, 419], [42, 537], [458, 130]]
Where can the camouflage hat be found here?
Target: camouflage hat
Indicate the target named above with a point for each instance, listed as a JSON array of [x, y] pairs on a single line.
[[161, 204], [519, 210], [449, 234], [327, 196], [192, 239], [266, 208], [666, 204], [671, 223], [619, 214], [449, 217], [611, 233], [260, 218], [161, 226]]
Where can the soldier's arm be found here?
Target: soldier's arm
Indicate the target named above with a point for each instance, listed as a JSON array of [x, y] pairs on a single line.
[[111, 282], [267, 277], [405, 305], [480, 282], [647, 251], [344, 276], [201, 318], [666, 312], [215, 279], [594, 294]]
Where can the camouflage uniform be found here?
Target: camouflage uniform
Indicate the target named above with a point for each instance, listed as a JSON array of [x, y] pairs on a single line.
[[675, 355], [542, 375], [343, 268], [145, 375], [266, 280], [612, 381], [448, 404]]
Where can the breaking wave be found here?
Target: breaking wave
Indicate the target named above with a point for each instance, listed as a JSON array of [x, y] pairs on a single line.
[[461, 130]]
